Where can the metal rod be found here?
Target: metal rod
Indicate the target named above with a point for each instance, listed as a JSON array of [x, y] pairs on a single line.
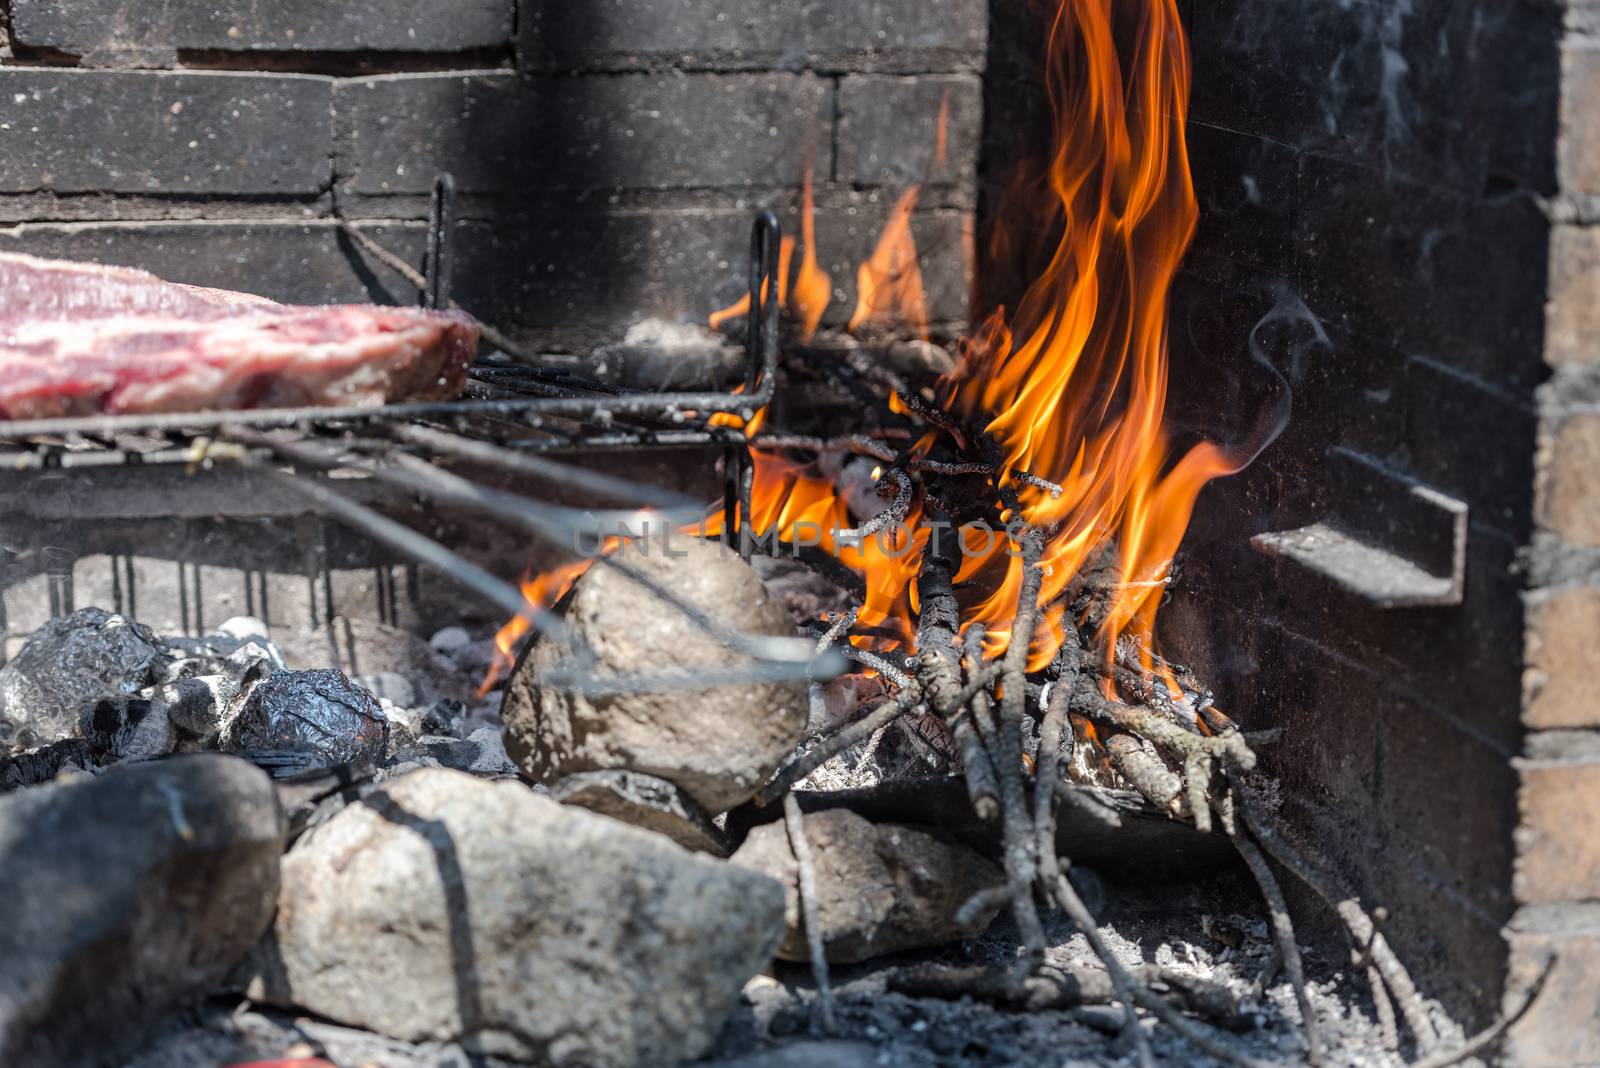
[[441, 227], [489, 455], [398, 536]]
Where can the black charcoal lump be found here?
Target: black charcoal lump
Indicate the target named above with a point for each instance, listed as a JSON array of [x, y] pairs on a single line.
[[308, 719], [68, 666]]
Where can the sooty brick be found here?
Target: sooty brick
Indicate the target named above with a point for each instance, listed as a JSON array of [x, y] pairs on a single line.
[[888, 130], [904, 35], [91, 131], [505, 134], [110, 26]]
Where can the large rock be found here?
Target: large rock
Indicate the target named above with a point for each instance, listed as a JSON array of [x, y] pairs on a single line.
[[126, 896], [442, 907], [881, 888], [717, 743], [66, 667]]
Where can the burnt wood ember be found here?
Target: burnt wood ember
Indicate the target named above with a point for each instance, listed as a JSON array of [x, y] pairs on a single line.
[[66, 667], [78, 339]]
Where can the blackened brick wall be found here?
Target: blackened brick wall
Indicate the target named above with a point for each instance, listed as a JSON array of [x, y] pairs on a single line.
[[609, 154], [1398, 210]]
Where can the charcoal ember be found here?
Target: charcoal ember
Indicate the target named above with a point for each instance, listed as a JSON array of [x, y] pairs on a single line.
[[881, 888], [483, 752], [36, 766], [441, 907], [296, 720], [719, 743], [127, 896], [240, 649], [442, 718], [67, 666], [644, 801], [128, 728], [197, 706]]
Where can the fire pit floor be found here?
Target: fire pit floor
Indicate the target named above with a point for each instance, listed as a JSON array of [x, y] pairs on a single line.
[[1151, 925]]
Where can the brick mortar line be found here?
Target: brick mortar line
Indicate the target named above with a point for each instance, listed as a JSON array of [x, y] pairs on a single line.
[[357, 66]]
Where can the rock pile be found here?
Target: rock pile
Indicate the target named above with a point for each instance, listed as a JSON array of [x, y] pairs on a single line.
[[444, 908], [429, 893]]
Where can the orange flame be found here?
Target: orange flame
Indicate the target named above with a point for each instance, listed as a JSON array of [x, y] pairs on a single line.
[[1073, 387], [540, 593], [889, 283], [807, 299]]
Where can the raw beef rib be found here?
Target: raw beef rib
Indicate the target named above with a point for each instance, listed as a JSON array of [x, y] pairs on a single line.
[[79, 339]]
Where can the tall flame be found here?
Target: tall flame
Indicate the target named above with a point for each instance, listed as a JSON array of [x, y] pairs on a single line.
[[1072, 388]]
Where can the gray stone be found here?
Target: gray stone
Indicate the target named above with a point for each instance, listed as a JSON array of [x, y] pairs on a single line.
[[441, 907], [66, 667], [881, 888], [390, 686], [905, 34], [719, 743], [115, 26], [504, 134], [644, 801], [92, 131], [483, 752], [127, 896], [888, 131]]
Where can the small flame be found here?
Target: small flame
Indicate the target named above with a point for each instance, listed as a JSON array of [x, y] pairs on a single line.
[[889, 283], [540, 592], [807, 299]]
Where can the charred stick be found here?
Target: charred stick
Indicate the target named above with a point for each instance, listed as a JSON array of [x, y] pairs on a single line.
[[860, 444], [944, 691], [1282, 926], [1491, 1034], [891, 516], [1046, 775], [1384, 1005], [1336, 892], [1197, 771], [810, 908], [1017, 830], [1136, 760], [1060, 988], [929, 414], [878, 664], [845, 621], [859, 731]]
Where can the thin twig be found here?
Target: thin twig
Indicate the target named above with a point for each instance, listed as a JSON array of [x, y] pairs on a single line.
[[810, 909], [1333, 889], [878, 664], [824, 751], [1491, 1034], [1282, 927]]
